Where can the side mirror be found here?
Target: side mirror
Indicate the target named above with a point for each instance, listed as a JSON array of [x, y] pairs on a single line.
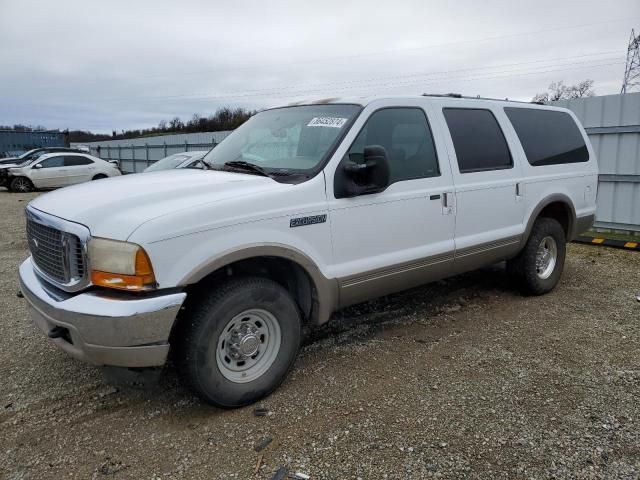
[[198, 165], [373, 175], [37, 166]]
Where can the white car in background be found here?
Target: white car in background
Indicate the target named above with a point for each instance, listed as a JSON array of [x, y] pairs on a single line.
[[55, 170], [178, 160]]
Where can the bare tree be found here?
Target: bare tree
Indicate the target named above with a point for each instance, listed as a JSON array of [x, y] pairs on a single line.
[[176, 124], [560, 91]]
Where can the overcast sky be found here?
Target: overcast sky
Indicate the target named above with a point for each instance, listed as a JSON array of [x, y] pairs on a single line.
[[104, 65]]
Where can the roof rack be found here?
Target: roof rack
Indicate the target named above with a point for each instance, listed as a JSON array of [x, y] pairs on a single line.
[[478, 97]]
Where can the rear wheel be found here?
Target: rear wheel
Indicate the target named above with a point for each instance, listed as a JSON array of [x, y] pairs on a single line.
[[239, 342], [539, 265], [21, 185]]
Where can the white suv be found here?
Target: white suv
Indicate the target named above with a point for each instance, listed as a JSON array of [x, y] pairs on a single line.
[[302, 211], [55, 170]]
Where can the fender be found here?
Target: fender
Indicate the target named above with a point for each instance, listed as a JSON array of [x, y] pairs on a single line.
[[554, 198], [326, 289]]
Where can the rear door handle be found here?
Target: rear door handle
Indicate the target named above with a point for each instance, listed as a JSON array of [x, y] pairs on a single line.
[[447, 203], [519, 191]]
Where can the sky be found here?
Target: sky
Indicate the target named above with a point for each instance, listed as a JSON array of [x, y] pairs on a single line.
[[112, 65]]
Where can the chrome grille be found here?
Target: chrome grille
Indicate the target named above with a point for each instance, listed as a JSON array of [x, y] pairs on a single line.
[[57, 254]]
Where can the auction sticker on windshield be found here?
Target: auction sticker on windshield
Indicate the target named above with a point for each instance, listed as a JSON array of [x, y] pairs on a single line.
[[333, 122]]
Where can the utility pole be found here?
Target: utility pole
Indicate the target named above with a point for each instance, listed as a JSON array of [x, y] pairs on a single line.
[[632, 70]]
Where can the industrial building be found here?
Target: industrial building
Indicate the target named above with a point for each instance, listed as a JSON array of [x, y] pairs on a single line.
[[13, 142]]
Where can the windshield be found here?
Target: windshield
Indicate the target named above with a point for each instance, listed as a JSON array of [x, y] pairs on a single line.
[[167, 163], [285, 140], [31, 156], [26, 155]]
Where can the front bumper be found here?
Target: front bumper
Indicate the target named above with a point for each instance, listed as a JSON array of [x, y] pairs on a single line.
[[103, 328]]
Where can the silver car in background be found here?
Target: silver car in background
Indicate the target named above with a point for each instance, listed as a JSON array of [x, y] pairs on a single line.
[[178, 160]]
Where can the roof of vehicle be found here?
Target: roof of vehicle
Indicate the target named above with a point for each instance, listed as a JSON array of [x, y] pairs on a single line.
[[194, 153], [55, 149], [365, 100], [55, 154]]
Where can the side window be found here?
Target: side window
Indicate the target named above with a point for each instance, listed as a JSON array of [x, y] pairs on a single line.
[[478, 140], [76, 160], [406, 136], [548, 137], [53, 162]]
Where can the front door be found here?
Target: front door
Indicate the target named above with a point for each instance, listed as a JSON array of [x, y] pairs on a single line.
[[403, 236], [49, 173]]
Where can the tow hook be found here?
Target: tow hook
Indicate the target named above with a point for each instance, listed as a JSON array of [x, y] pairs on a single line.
[[56, 332]]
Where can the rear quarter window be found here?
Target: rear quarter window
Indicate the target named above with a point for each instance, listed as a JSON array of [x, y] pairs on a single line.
[[548, 137]]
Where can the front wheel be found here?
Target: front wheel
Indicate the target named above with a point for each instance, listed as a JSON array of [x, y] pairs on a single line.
[[539, 265], [21, 185], [239, 342], [99, 176]]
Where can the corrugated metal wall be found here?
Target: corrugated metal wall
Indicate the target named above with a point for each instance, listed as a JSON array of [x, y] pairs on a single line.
[[136, 154], [613, 125], [15, 143]]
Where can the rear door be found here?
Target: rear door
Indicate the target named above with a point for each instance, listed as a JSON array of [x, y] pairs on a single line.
[[488, 190], [79, 169]]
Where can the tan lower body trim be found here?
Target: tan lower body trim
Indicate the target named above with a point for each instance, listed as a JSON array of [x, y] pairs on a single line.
[[382, 281]]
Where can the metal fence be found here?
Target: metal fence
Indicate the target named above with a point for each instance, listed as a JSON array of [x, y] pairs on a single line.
[[613, 125], [137, 154], [135, 158]]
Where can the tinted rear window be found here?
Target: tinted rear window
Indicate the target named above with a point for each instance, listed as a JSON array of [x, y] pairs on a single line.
[[76, 160], [548, 137], [478, 140]]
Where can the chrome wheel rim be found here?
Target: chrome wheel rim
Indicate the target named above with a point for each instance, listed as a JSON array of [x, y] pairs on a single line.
[[546, 257], [248, 345], [22, 185]]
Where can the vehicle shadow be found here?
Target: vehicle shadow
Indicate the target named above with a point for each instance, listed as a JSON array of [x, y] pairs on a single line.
[[350, 325], [420, 303]]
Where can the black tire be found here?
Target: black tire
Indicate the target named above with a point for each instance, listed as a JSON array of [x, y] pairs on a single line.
[[201, 337], [21, 185], [99, 176], [524, 269]]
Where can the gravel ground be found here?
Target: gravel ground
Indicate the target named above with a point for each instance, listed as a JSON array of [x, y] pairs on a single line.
[[464, 378]]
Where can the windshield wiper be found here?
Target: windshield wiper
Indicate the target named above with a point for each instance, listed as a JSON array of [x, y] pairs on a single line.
[[242, 165]]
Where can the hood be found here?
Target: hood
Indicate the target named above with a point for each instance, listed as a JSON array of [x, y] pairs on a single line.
[[115, 207], [9, 165]]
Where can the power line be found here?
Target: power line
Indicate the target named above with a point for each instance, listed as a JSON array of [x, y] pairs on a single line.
[[394, 50], [398, 80], [278, 88]]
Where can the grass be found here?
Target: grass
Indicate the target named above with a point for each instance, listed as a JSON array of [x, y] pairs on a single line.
[[627, 237]]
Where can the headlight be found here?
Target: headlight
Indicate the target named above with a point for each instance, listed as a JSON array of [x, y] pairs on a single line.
[[121, 265]]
